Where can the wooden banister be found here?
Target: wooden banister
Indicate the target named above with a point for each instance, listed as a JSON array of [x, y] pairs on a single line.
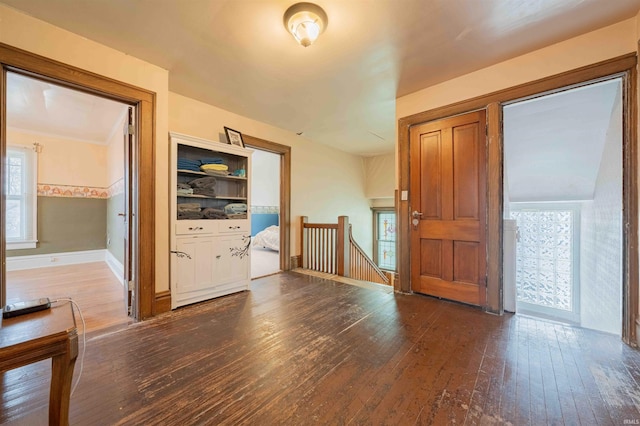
[[330, 248]]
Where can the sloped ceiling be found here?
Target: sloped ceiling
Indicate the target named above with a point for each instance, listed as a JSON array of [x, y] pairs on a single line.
[[553, 144], [43, 108], [341, 91]]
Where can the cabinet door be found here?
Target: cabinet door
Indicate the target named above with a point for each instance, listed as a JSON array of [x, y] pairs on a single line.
[[196, 273], [232, 261]]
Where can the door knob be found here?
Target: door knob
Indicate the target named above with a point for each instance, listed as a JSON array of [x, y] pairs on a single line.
[[416, 214]]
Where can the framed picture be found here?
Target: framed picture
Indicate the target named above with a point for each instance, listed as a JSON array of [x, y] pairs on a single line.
[[234, 137]]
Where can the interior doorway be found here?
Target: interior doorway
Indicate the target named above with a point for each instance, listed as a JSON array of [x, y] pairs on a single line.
[[66, 198], [563, 198], [265, 213]]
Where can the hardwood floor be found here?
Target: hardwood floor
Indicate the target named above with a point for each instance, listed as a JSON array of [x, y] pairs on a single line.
[[92, 285], [299, 349]]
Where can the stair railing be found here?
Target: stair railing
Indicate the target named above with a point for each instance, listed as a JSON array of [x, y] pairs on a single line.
[[330, 248]]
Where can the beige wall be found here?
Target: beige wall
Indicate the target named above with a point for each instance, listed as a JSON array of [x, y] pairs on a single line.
[[325, 183], [380, 173], [65, 162], [587, 49], [36, 36]]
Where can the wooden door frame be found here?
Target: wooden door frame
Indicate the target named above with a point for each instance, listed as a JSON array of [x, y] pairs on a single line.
[[285, 192], [28, 63], [625, 67]]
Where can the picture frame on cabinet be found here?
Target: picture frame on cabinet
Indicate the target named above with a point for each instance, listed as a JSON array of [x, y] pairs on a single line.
[[234, 137]]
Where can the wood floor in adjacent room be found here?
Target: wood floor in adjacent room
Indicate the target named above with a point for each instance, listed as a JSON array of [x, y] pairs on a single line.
[[300, 350], [93, 286]]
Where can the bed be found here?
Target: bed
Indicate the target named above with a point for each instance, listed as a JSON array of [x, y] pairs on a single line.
[[268, 238]]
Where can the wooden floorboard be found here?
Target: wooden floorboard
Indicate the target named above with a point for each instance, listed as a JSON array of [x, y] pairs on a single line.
[[299, 350], [93, 286]]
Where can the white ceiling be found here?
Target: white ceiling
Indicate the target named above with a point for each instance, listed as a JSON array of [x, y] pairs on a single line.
[[341, 91], [43, 108], [553, 145]]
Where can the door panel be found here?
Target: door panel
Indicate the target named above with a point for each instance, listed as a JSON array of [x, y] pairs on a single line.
[[448, 196], [431, 263]]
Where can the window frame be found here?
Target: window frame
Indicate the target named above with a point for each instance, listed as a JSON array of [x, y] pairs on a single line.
[[376, 214], [28, 199]]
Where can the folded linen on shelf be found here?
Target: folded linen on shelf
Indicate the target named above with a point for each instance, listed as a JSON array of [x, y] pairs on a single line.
[[219, 167], [235, 208], [188, 207], [189, 214], [184, 191], [188, 164], [211, 213], [204, 186]]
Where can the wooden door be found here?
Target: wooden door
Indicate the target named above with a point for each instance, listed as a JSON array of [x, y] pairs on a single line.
[[448, 203]]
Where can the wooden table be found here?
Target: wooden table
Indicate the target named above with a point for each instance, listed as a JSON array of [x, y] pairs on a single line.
[[40, 335]]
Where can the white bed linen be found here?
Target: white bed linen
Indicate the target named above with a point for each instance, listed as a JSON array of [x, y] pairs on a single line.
[[268, 238]]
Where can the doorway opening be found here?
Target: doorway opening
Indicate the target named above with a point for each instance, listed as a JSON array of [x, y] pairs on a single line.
[[265, 213], [67, 191], [563, 198]]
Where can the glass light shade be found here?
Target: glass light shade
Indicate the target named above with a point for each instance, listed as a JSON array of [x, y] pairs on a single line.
[[305, 21]]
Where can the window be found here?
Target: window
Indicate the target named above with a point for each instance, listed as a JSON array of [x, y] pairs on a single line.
[[384, 238], [21, 217]]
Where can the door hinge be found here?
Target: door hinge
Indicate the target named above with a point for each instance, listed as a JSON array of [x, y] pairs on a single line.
[[131, 129], [130, 284], [486, 281]]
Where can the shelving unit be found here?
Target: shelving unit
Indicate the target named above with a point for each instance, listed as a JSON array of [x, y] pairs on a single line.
[[209, 253]]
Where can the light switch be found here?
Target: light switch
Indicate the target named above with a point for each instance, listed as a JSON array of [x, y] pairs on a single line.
[[404, 195]]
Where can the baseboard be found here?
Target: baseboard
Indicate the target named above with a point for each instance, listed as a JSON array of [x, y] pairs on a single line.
[[19, 263], [162, 302], [296, 261], [115, 266]]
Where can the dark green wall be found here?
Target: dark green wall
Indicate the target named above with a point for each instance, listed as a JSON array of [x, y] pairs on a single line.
[[69, 224]]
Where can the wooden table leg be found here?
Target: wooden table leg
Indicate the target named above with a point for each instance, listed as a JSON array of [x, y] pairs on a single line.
[[61, 378]]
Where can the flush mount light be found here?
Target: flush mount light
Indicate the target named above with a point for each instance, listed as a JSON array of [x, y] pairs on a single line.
[[305, 21]]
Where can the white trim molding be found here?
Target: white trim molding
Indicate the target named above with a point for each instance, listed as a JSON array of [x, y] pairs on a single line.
[[18, 263], [115, 266]]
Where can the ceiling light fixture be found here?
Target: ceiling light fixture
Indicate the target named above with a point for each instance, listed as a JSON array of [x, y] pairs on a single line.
[[305, 21]]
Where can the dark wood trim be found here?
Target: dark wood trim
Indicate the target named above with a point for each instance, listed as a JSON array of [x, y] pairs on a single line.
[[162, 303], [3, 156], [495, 200], [630, 291], [296, 261], [285, 193], [622, 65], [44, 68]]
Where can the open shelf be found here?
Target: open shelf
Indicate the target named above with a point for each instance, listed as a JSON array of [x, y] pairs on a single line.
[[211, 198]]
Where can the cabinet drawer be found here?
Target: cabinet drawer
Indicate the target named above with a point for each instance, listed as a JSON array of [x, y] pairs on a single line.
[[192, 227], [227, 226]]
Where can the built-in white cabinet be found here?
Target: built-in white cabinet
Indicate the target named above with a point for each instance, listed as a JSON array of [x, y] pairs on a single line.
[[210, 219]]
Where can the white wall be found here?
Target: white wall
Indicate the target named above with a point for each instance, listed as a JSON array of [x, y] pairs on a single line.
[[325, 183], [265, 179], [601, 239]]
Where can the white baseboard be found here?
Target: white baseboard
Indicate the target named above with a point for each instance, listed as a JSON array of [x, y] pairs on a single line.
[[115, 266], [19, 263]]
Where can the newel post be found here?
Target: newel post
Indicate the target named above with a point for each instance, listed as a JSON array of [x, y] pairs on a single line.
[[342, 246], [303, 243]]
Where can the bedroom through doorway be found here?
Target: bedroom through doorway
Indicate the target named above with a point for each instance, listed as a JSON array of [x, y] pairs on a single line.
[[265, 213]]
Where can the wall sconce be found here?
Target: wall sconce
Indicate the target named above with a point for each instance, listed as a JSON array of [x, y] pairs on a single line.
[[305, 21]]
